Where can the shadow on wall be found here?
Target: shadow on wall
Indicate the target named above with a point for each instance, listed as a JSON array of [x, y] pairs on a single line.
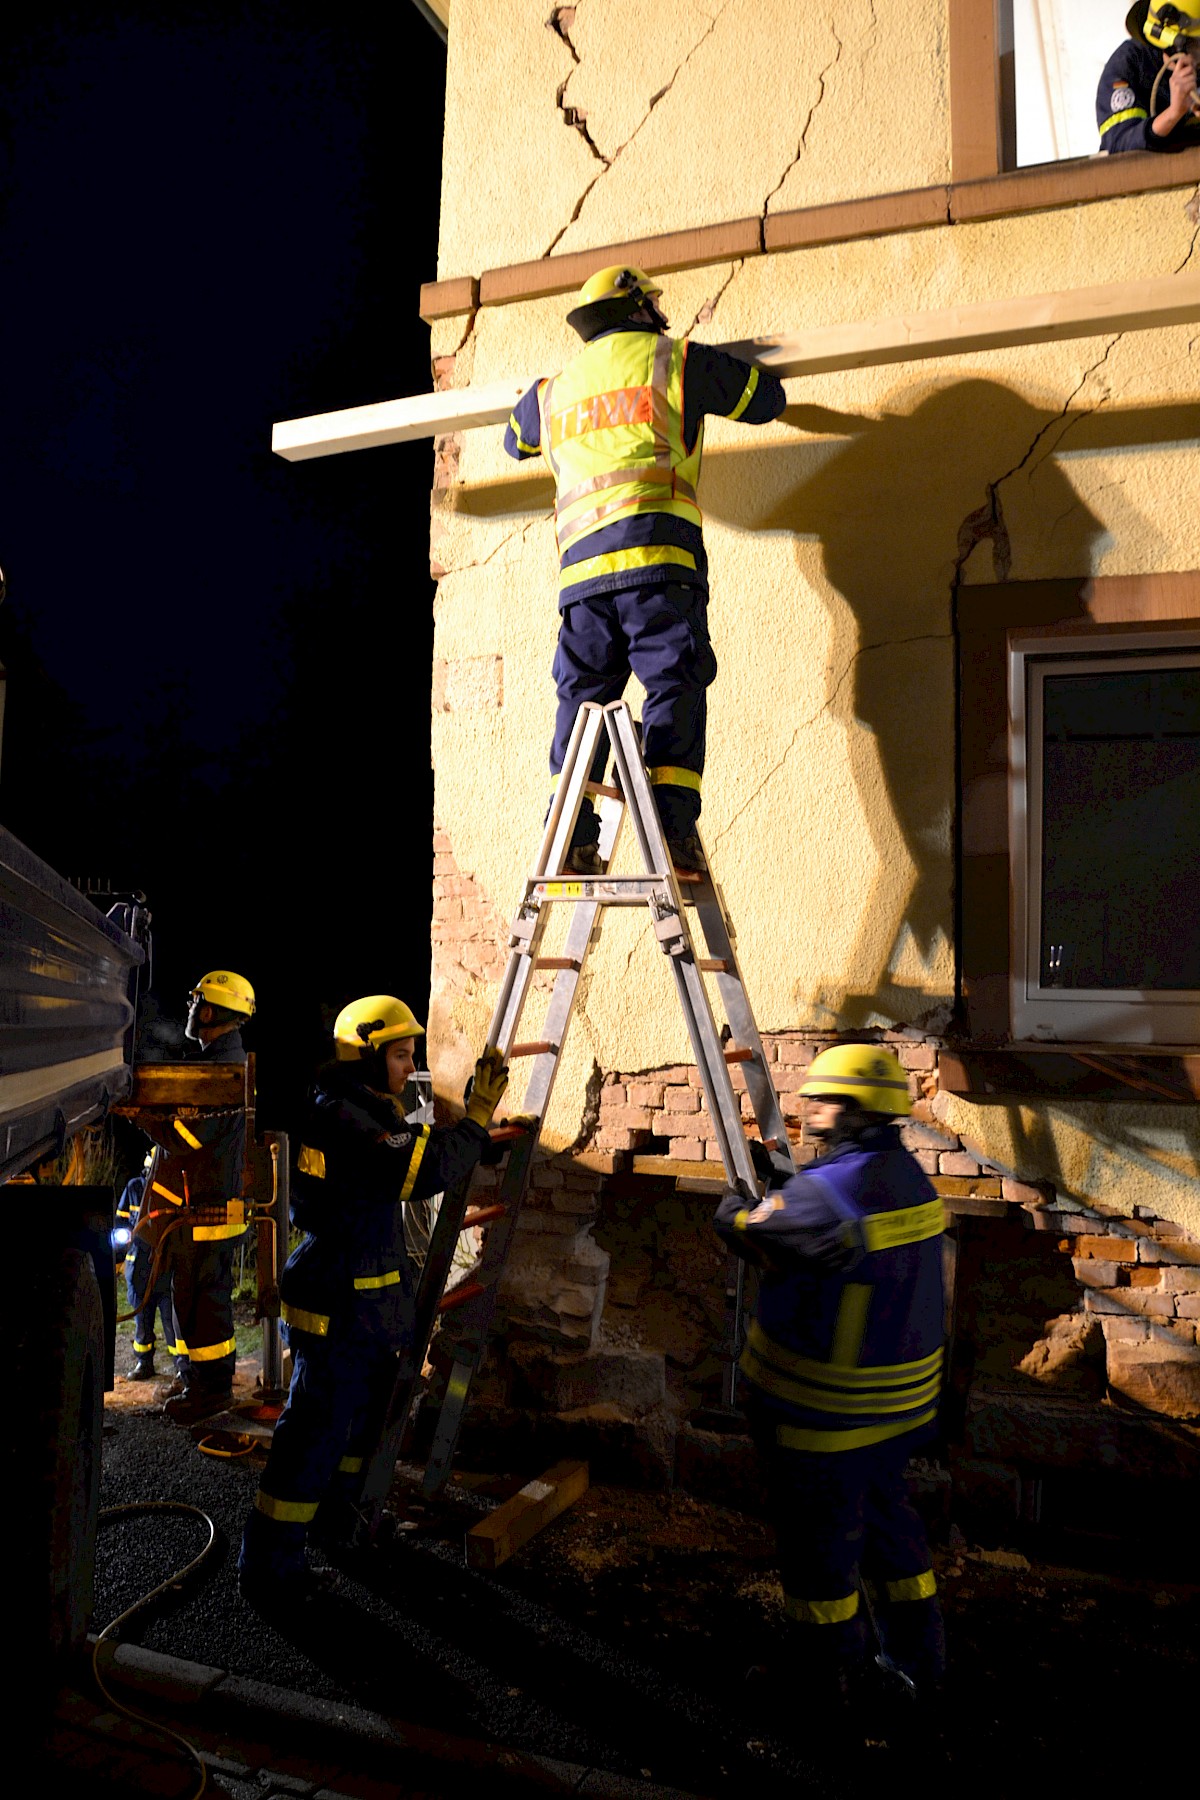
[[1114, 1139], [898, 504]]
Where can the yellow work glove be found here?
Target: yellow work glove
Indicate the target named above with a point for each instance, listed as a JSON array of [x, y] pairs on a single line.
[[487, 1087]]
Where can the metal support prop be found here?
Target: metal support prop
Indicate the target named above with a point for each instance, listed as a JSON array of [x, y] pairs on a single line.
[[272, 1240], [668, 894]]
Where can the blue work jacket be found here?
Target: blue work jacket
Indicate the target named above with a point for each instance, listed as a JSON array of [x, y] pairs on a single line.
[[1123, 102], [359, 1163], [846, 1347]]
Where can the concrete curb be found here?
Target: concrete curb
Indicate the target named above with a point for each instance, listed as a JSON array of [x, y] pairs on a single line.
[[217, 1698]]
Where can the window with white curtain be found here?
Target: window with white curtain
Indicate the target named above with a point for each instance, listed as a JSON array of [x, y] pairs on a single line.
[[1059, 49]]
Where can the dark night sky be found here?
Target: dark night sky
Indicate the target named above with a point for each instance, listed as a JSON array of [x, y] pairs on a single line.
[[214, 217]]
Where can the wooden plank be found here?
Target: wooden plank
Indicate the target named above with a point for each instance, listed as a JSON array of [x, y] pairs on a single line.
[[503, 1532], [547, 275], [672, 1168], [396, 421], [869, 343], [974, 89], [186, 1084], [844, 220]]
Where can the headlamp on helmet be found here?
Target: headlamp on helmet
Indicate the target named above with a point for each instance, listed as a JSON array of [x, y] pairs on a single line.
[[609, 296], [1170, 27], [368, 1025]]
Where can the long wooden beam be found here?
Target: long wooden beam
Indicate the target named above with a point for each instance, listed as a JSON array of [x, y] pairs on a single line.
[[873, 343]]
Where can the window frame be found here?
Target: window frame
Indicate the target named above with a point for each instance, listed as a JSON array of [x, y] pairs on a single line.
[[1171, 1017], [1087, 610]]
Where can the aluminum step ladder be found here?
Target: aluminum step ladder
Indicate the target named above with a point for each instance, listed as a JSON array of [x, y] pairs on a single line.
[[671, 895]]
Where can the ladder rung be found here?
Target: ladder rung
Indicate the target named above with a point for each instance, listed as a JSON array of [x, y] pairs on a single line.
[[737, 1053], [483, 1215], [556, 962], [459, 1296], [605, 793], [540, 1047], [714, 965]]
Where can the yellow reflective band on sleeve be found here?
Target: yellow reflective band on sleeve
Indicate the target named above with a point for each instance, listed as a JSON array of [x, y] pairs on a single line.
[[158, 1188], [747, 395], [615, 562], [669, 777], [286, 1512], [529, 449], [740, 1218], [311, 1162], [214, 1352], [851, 1325], [316, 1324], [820, 1612], [142, 1349], [377, 1281], [910, 1225], [913, 1587], [799, 1437], [187, 1136], [1131, 112], [418, 1156], [350, 1465]]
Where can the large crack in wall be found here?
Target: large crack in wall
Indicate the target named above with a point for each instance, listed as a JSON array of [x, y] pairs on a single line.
[[561, 19], [804, 130]]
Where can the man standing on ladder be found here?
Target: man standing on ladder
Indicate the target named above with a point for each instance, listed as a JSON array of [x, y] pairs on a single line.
[[622, 428], [843, 1368]]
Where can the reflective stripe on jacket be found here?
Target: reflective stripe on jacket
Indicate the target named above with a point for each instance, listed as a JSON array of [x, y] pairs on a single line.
[[612, 433], [359, 1162], [846, 1348]]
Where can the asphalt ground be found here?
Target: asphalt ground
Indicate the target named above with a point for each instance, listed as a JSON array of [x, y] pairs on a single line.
[[618, 1638], [410, 1633]]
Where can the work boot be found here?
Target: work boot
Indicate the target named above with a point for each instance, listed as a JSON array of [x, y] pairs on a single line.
[[195, 1404], [585, 859], [687, 853], [143, 1368], [173, 1392]]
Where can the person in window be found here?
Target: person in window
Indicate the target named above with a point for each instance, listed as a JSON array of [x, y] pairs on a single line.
[[1147, 97], [842, 1371]]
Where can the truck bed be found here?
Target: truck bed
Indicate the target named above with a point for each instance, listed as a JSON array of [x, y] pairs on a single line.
[[65, 1009]]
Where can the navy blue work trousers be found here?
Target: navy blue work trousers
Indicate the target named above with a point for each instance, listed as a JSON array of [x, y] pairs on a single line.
[[840, 1515], [340, 1388], [202, 1292], [147, 1304], [660, 634]]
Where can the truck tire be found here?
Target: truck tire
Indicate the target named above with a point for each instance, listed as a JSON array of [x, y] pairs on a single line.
[[55, 1493]]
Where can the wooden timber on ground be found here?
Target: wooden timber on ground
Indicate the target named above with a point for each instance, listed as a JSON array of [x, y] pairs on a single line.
[[1112, 307], [504, 1531]]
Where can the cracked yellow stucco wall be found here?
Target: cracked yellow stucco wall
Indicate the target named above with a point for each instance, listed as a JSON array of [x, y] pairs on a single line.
[[835, 535]]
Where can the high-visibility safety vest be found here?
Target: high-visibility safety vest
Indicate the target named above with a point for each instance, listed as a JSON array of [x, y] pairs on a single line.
[[612, 433]]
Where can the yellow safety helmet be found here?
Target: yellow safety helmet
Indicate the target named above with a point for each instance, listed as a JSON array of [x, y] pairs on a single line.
[[864, 1072], [1164, 24], [221, 987], [368, 1024], [607, 296]]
